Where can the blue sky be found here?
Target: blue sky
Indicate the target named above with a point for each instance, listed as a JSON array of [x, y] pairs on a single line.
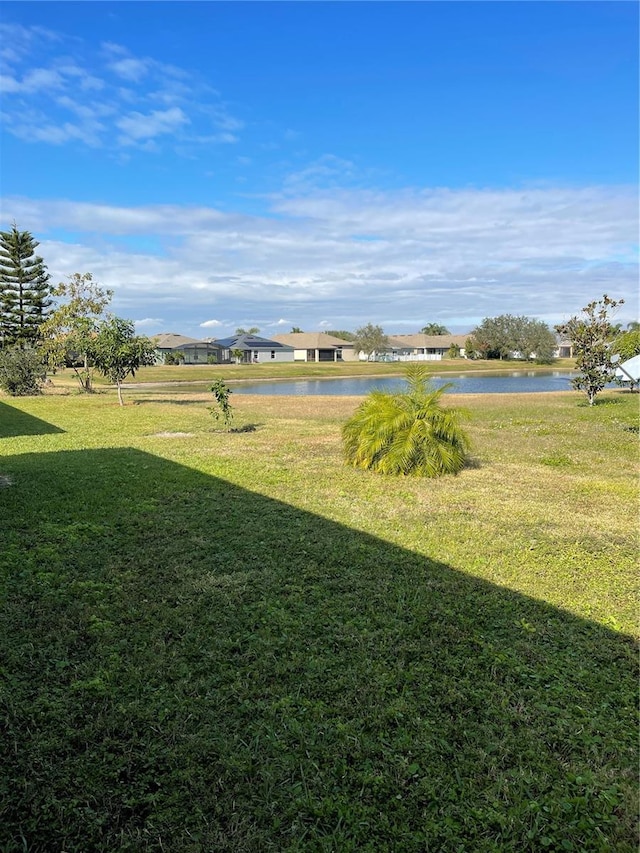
[[326, 165]]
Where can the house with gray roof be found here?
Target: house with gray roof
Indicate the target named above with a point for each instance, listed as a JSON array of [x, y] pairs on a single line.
[[252, 349], [192, 350]]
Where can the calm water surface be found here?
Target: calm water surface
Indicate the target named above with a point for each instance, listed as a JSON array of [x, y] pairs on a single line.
[[519, 381]]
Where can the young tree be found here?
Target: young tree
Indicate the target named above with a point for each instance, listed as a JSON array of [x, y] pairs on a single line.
[[118, 352], [590, 335], [406, 433], [68, 333], [370, 339], [434, 329], [24, 289], [237, 355], [453, 351], [222, 410], [470, 350]]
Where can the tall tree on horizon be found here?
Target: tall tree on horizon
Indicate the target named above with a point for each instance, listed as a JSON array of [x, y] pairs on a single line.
[[434, 329], [25, 292]]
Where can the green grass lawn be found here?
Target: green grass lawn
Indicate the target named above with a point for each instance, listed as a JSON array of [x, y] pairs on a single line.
[[232, 642]]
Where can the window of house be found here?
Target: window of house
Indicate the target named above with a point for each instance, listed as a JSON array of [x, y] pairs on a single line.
[[273, 353]]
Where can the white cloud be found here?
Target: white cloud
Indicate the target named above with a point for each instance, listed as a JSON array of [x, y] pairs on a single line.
[[356, 256], [137, 126], [164, 105], [130, 69], [210, 324], [148, 321]]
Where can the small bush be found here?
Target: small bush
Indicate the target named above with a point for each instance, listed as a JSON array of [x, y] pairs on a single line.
[[406, 433], [22, 373]]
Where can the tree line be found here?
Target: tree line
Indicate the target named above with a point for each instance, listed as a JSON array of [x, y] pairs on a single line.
[[44, 327]]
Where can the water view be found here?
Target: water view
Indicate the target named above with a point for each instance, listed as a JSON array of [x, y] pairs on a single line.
[[520, 381]]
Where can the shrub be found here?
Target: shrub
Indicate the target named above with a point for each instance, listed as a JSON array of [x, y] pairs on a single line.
[[22, 373], [407, 433]]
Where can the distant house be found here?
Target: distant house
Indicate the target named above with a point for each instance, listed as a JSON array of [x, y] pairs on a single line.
[[193, 350], [254, 350], [421, 347], [318, 346], [564, 350]]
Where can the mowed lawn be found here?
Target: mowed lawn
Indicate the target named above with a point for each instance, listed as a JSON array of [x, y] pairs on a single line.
[[232, 642]]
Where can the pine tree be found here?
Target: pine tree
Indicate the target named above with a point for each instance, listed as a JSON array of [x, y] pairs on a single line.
[[24, 289]]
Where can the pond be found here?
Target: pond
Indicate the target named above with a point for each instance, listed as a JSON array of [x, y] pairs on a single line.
[[520, 381]]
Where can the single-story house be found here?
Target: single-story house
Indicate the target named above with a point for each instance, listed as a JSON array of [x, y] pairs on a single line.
[[193, 350], [252, 349], [318, 346], [564, 350], [421, 347]]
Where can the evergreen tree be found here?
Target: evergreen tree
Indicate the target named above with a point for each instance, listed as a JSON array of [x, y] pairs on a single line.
[[24, 289]]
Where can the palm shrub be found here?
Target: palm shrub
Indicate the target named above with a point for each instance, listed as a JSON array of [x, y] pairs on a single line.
[[408, 432]]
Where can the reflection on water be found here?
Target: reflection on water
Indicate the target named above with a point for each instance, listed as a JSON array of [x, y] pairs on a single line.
[[518, 381]]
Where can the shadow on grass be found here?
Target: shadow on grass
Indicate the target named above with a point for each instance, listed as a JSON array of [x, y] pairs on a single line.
[[190, 666], [14, 422]]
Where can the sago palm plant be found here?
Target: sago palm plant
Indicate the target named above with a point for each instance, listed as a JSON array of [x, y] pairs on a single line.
[[408, 432]]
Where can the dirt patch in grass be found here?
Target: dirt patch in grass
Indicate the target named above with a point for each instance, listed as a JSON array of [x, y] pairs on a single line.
[[172, 435]]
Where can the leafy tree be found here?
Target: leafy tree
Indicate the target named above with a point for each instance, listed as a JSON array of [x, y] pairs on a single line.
[[67, 334], [22, 372], [222, 409], [237, 355], [296, 330], [434, 329], [627, 345], [534, 339], [453, 351], [346, 336], [633, 326], [370, 339], [24, 289], [254, 330], [118, 352], [492, 337], [590, 335], [499, 337], [406, 433]]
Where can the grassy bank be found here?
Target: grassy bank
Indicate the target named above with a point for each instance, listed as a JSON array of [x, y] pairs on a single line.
[[302, 370], [232, 642]]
